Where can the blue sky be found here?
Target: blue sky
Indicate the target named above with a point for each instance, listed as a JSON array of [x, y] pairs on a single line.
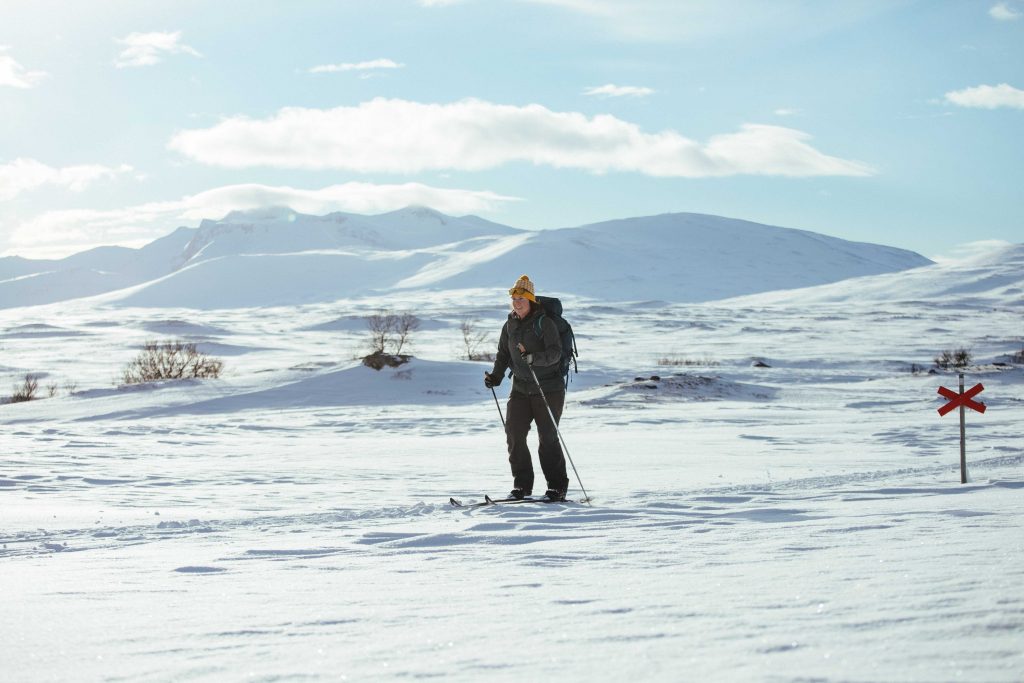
[[890, 121]]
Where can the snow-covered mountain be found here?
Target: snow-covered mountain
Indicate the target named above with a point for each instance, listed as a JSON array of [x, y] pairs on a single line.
[[683, 258], [27, 282], [993, 278], [282, 231], [280, 257]]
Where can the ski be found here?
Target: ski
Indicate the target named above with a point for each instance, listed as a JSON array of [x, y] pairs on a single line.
[[486, 501], [506, 501]]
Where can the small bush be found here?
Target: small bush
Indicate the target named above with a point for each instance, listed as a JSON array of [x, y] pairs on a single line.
[[1017, 358], [26, 391], [953, 360], [390, 329], [171, 360], [474, 340], [676, 361]]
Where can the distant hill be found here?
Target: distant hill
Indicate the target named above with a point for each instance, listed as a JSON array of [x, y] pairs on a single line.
[[26, 282], [994, 278], [279, 257], [681, 257]]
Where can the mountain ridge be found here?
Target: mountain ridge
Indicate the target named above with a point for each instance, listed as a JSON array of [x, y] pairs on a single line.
[[277, 256], [993, 278]]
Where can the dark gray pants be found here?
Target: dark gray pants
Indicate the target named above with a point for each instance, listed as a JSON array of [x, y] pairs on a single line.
[[522, 410]]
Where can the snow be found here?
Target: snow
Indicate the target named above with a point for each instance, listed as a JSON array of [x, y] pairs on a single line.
[[277, 257], [995, 277], [798, 520]]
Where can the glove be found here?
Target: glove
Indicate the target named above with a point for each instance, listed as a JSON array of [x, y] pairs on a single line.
[[526, 355], [489, 380]]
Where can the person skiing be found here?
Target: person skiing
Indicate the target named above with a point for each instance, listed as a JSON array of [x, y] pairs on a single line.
[[531, 339]]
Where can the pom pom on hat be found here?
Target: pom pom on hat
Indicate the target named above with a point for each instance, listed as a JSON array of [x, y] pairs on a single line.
[[524, 288]]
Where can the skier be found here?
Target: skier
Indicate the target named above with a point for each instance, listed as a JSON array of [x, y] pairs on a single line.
[[529, 338]]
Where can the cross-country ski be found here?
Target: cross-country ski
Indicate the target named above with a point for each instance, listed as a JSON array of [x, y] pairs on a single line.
[[454, 502]]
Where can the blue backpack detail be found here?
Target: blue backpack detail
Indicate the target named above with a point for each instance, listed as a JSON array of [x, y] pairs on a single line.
[[552, 308]]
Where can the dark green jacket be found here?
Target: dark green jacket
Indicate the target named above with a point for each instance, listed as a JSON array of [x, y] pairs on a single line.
[[545, 350]]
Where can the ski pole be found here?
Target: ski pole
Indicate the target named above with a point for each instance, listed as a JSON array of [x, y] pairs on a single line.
[[586, 498], [494, 393]]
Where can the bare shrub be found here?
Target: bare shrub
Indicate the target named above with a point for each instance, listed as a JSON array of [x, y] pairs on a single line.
[[70, 386], [51, 389], [171, 360], [26, 391], [407, 324], [474, 339], [676, 361], [953, 359], [1018, 357], [391, 330], [382, 330]]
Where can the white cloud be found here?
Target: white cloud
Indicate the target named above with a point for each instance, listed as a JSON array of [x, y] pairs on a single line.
[[22, 175], [146, 49], [1002, 11], [14, 75], [59, 233], [438, 3], [774, 150], [787, 111], [988, 97], [398, 136], [356, 66], [612, 90]]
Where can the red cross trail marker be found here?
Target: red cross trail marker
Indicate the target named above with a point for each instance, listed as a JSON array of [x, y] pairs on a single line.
[[962, 400]]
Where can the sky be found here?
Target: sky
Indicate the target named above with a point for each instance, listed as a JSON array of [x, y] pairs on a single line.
[[899, 122]]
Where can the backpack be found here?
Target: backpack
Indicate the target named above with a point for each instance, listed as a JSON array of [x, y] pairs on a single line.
[[552, 308]]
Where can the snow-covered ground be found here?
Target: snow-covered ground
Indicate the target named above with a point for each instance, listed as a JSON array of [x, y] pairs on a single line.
[[290, 521]]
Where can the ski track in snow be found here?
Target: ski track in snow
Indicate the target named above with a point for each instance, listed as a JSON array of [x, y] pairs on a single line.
[[832, 562], [700, 512]]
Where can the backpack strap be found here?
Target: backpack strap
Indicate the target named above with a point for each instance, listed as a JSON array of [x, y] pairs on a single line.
[[575, 351]]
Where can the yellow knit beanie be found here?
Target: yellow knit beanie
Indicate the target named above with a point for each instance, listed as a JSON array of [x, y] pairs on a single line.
[[524, 288]]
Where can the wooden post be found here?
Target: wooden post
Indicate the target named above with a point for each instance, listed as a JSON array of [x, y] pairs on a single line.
[[963, 437], [963, 400]]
